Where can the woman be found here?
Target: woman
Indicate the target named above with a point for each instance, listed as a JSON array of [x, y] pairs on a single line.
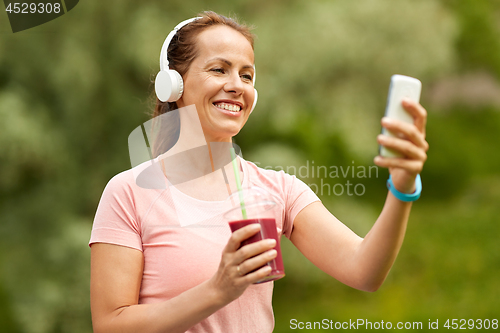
[[151, 273]]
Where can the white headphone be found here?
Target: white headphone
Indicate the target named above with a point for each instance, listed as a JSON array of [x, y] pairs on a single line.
[[169, 85]]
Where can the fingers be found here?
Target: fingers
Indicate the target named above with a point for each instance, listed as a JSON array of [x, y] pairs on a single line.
[[408, 139], [256, 262], [255, 268], [418, 113], [248, 263], [259, 274], [412, 166], [252, 258], [254, 249], [240, 235], [243, 267], [405, 131], [407, 148]]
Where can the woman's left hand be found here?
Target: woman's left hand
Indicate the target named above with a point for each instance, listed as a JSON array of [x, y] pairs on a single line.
[[410, 142]]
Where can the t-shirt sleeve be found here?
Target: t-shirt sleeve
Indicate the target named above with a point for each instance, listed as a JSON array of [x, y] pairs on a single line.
[[298, 196], [115, 221]]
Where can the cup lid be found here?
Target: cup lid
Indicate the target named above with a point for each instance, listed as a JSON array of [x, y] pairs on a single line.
[[251, 197]]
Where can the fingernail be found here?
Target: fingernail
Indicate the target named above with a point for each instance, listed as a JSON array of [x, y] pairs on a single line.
[[271, 241], [255, 226], [386, 120], [272, 253], [377, 159]]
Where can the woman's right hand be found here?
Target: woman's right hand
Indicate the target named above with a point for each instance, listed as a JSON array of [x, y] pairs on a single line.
[[235, 270]]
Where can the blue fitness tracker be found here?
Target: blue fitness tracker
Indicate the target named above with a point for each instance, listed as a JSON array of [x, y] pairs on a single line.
[[404, 196]]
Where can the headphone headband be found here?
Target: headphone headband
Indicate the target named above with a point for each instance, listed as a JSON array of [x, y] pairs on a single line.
[[166, 44]]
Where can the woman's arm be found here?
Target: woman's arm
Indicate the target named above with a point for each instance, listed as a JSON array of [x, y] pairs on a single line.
[[116, 275], [360, 263], [335, 249]]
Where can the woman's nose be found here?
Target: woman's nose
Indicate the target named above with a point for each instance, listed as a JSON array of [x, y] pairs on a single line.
[[234, 84]]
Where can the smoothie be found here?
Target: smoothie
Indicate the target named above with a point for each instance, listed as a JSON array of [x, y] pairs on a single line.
[[268, 230]]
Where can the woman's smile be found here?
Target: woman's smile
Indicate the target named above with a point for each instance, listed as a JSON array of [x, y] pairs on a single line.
[[219, 82], [229, 108]]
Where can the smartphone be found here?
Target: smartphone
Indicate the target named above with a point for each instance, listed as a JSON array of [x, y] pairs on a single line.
[[401, 86]]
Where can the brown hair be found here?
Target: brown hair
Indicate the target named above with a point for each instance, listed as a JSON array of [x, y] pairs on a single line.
[[182, 49]]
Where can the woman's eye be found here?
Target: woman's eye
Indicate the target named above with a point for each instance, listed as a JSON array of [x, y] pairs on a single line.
[[218, 70], [247, 77]]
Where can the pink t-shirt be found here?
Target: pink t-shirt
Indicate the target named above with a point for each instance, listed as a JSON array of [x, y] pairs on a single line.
[[179, 255]]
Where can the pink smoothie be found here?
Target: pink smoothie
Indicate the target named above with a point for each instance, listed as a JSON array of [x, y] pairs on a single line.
[[267, 230]]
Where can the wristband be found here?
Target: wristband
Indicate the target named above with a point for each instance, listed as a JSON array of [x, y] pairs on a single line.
[[404, 196]]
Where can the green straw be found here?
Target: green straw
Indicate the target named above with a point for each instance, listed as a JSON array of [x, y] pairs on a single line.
[[238, 183]]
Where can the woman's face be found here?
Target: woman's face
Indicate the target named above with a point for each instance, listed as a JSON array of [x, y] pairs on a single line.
[[219, 82]]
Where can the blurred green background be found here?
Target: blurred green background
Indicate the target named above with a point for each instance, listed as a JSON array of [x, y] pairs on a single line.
[[73, 89]]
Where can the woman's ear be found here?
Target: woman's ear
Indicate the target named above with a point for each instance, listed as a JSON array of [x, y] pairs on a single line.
[[254, 100]]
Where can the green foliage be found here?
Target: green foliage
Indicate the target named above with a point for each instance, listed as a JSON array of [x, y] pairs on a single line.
[[73, 89], [478, 45]]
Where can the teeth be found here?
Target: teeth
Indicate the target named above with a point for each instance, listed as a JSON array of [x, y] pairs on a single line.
[[229, 107]]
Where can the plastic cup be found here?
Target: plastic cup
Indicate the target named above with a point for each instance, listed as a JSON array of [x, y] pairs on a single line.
[[260, 208]]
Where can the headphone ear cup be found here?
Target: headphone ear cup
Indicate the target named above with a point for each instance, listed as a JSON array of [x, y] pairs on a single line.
[[169, 86], [254, 100]]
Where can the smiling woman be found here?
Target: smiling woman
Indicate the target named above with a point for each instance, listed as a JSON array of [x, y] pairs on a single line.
[[219, 82], [164, 260], [182, 48]]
